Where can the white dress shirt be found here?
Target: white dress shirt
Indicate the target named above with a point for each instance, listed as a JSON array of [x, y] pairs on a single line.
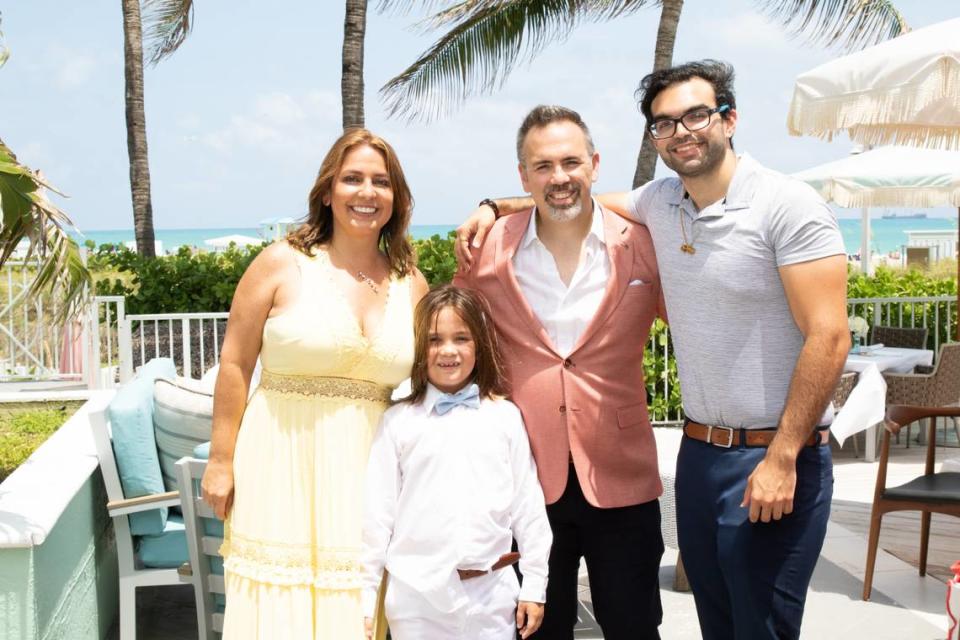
[[451, 492], [564, 311]]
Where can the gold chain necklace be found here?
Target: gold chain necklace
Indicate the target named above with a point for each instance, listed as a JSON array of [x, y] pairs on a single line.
[[686, 247], [360, 275]]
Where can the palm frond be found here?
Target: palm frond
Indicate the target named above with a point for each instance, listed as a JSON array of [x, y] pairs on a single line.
[[848, 24], [166, 25], [26, 213], [404, 7], [486, 40]]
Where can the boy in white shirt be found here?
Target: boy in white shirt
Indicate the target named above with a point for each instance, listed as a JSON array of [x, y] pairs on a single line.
[[450, 482]]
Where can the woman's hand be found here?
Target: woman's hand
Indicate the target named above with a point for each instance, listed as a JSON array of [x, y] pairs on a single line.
[[217, 487], [368, 627], [529, 617]]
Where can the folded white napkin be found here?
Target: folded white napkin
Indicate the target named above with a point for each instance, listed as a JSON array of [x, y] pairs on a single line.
[[865, 406]]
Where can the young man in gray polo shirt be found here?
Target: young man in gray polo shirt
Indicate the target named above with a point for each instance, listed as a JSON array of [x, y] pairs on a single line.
[[754, 274]]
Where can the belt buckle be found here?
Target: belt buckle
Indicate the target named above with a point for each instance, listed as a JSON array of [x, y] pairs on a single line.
[[729, 430]]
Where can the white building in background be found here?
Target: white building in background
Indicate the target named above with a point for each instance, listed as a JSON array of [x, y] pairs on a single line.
[[272, 229], [223, 243], [157, 246], [929, 246]]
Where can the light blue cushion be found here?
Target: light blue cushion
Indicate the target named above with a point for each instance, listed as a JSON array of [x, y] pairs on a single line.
[[202, 451], [169, 549], [182, 419], [134, 445]]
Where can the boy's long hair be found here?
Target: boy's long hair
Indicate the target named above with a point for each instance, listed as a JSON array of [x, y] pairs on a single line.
[[488, 372]]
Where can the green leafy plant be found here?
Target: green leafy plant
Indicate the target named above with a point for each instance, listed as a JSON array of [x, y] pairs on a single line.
[[436, 259], [179, 283]]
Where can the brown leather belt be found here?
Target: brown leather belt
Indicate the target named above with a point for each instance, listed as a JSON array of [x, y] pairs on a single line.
[[505, 560], [729, 437]]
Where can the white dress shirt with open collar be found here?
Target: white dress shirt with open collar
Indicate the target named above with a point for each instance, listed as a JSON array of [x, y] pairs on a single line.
[[564, 311], [451, 492]]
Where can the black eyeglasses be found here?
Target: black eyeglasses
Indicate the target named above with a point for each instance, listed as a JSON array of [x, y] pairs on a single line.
[[692, 121]]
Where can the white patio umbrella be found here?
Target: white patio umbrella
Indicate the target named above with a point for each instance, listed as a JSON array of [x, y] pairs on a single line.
[[903, 91], [888, 177], [240, 240]]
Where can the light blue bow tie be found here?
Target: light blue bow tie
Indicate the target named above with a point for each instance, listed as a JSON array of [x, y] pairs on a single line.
[[469, 397]]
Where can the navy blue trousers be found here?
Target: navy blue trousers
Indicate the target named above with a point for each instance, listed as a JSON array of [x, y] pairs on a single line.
[[749, 580]]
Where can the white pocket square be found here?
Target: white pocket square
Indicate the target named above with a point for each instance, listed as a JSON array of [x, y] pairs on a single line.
[[634, 283]]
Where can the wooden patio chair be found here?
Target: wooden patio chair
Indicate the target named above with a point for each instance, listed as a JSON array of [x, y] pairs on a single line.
[[928, 494], [940, 388]]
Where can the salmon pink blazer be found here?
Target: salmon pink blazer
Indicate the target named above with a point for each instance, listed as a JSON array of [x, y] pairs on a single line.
[[591, 406]]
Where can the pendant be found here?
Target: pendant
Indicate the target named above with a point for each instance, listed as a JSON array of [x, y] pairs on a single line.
[[367, 280], [687, 248]]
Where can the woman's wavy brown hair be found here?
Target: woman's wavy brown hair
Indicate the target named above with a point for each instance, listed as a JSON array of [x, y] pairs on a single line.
[[318, 228], [489, 372]]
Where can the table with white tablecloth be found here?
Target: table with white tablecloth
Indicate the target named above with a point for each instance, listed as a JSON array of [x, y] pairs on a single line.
[[888, 360]]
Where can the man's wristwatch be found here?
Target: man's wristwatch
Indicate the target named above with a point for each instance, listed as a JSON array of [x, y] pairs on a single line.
[[493, 205]]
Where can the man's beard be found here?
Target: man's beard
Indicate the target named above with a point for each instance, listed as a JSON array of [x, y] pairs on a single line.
[[568, 212], [711, 159]]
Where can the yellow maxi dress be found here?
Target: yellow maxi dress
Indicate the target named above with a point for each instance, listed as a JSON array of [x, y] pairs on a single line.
[[293, 536]]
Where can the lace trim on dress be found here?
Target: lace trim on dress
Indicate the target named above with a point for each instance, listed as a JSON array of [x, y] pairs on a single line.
[[326, 386], [292, 564]]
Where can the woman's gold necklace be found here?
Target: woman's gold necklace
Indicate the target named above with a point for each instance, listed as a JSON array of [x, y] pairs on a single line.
[[360, 275], [686, 247]]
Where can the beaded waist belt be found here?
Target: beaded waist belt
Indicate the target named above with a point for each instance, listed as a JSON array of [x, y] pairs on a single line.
[[326, 386]]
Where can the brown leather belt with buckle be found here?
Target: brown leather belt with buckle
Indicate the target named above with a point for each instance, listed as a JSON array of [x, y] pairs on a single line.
[[505, 560], [729, 437]]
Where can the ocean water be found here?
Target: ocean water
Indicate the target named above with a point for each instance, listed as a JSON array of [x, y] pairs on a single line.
[[174, 238], [887, 235]]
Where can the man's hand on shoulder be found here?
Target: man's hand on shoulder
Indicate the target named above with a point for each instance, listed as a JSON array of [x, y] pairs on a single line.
[[472, 233]]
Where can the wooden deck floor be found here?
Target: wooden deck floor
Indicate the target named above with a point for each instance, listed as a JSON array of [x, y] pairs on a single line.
[[854, 483]]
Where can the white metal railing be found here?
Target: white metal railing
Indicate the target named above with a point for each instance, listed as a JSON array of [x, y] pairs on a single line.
[[103, 351], [32, 345], [937, 313], [192, 340]]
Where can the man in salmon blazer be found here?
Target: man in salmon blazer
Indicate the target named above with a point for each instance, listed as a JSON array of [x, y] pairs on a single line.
[[573, 290]]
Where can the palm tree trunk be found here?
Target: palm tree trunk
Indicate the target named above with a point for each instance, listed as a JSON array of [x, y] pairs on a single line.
[[137, 128], [351, 81], [662, 58]]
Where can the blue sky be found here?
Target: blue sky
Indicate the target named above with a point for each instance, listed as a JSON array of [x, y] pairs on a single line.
[[240, 117]]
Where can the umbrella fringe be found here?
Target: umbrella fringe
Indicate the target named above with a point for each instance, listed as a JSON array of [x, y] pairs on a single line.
[[877, 111], [892, 197], [915, 136]]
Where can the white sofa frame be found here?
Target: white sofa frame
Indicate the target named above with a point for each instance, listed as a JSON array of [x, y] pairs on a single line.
[[132, 573]]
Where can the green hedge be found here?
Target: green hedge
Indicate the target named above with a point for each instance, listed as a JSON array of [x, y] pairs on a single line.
[[889, 283], [206, 282]]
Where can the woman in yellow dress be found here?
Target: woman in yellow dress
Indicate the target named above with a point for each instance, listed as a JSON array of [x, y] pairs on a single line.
[[330, 314]]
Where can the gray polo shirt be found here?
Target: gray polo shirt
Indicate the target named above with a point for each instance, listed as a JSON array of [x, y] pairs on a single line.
[[735, 339]]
